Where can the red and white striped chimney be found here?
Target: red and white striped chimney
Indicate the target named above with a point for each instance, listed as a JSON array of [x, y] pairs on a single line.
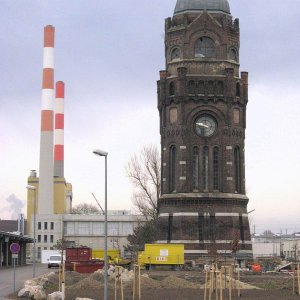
[[59, 130], [45, 199]]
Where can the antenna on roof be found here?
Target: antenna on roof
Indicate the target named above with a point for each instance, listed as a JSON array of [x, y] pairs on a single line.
[[98, 203]]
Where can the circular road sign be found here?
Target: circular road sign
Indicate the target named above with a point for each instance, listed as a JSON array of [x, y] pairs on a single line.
[[14, 248]]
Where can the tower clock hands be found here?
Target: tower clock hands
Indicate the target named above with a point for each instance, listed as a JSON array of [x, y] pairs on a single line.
[[202, 125]]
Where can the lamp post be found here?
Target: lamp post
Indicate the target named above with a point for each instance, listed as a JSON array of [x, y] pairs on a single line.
[[33, 188], [104, 153]]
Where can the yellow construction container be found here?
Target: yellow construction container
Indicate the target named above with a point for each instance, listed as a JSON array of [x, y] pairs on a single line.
[[162, 254], [111, 253]]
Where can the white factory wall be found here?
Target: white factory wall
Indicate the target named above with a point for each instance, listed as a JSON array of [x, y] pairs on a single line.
[[85, 230]]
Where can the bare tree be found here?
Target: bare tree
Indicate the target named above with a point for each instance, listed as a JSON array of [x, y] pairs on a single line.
[[86, 209], [144, 172]]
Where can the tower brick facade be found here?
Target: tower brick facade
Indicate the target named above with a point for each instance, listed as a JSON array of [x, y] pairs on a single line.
[[202, 99]]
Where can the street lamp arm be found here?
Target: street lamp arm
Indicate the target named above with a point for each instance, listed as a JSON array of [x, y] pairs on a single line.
[[100, 152]]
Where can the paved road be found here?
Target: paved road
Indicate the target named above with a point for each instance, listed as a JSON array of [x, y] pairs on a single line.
[[22, 273]]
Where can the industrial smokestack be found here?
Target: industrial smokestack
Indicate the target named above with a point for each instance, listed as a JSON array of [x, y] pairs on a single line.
[[45, 200], [59, 130]]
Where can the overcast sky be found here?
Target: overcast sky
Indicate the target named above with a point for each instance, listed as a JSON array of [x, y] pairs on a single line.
[[109, 54]]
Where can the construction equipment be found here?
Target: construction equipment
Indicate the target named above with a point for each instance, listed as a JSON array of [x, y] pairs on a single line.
[[162, 255]]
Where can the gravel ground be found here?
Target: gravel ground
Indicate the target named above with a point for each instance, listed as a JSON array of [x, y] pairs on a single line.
[[175, 285]]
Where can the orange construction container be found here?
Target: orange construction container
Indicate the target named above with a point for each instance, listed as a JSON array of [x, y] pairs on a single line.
[[78, 254]]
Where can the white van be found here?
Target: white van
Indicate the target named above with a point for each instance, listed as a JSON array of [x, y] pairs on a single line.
[[54, 261]]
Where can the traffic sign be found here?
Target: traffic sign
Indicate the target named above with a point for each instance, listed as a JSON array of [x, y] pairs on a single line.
[[14, 248]]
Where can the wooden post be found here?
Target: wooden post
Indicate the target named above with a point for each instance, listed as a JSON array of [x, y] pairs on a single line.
[[230, 282], [118, 283], [298, 275], [205, 286], [293, 268], [238, 283], [217, 285], [221, 284], [210, 284], [136, 282]]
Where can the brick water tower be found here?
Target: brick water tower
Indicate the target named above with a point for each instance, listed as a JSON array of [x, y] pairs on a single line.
[[202, 100]]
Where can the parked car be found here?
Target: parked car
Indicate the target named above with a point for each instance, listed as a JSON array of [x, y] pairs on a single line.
[[54, 261]]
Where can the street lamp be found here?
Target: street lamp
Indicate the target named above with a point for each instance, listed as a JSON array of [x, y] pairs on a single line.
[[33, 188], [104, 153]]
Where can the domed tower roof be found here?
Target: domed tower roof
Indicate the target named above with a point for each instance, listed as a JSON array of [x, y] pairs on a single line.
[[215, 6]]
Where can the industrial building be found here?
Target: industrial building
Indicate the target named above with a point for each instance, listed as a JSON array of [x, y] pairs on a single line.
[[85, 230], [286, 246]]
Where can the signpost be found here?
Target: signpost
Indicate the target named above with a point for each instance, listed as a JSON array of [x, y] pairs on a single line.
[[14, 249]]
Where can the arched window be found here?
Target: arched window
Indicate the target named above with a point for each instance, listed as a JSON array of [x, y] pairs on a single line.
[[175, 54], [216, 168], [205, 168], [172, 171], [192, 87], [220, 88], [210, 88], [233, 54], [172, 89], [238, 90], [204, 47], [196, 168], [201, 88], [237, 170]]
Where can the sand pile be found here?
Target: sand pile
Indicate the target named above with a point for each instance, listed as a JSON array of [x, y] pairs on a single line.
[[149, 282], [175, 282]]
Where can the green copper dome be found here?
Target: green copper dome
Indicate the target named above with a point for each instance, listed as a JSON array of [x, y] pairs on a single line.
[[216, 6]]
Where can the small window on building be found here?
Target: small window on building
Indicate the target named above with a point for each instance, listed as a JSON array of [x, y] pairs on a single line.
[[237, 170], [39, 225], [216, 167], [210, 88], [205, 168], [51, 238], [39, 238], [172, 169], [196, 168], [238, 90], [39, 252], [172, 89], [233, 55], [175, 54], [45, 248], [192, 87], [220, 88], [52, 225], [201, 88], [45, 238], [45, 225]]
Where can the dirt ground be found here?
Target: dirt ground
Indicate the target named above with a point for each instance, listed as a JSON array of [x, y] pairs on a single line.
[[175, 285]]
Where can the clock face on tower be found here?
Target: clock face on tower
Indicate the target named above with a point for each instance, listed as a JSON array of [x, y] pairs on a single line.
[[205, 126]]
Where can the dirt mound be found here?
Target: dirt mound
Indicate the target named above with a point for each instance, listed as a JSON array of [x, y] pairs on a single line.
[[72, 278], [87, 283], [97, 276], [149, 283], [175, 282]]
